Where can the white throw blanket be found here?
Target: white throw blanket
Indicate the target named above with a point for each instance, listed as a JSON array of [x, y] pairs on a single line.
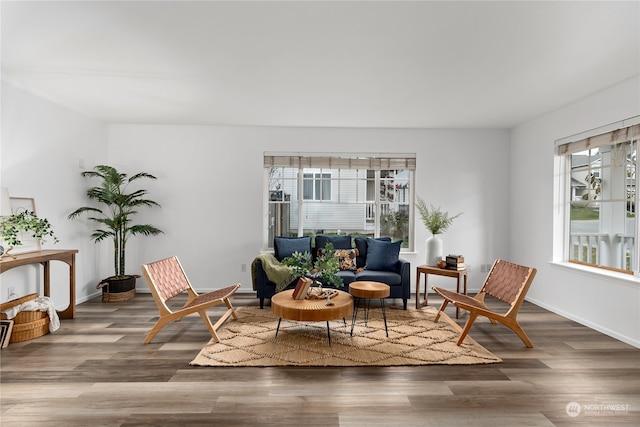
[[38, 304]]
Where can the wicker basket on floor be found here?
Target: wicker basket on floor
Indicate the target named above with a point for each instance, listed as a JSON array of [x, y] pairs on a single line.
[[118, 296], [27, 324]]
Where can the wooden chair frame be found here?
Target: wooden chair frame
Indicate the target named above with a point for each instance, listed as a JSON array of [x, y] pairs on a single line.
[[167, 279], [507, 282]]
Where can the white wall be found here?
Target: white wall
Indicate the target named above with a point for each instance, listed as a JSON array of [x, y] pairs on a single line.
[[212, 222], [211, 179], [42, 144], [609, 303]]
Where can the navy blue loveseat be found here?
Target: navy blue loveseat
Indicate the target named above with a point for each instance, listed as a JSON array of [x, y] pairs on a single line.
[[376, 260]]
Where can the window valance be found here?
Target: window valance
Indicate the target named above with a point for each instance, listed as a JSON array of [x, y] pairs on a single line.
[[615, 133], [341, 161]]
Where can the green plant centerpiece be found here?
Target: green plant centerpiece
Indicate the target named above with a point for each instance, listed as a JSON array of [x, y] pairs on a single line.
[[115, 219], [13, 226], [323, 271]]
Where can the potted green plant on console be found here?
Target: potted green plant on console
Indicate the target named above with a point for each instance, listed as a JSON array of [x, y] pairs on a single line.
[[114, 220], [12, 227]]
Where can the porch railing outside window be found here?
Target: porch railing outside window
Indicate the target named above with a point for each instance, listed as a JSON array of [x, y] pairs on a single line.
[[617, 251]]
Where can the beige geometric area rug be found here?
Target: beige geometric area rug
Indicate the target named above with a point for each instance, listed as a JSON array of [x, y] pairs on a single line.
[[414, 339]]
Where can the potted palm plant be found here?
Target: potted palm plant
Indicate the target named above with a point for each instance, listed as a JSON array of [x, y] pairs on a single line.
[[114, 220]]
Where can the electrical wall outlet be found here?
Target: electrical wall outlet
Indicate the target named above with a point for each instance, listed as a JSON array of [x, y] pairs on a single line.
[[243, 267], [483, 268]]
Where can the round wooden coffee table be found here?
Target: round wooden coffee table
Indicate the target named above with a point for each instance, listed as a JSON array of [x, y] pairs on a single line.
[[311, 310], [366, 291]]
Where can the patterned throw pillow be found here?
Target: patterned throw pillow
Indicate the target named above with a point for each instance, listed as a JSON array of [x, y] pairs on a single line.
[[347, 258]]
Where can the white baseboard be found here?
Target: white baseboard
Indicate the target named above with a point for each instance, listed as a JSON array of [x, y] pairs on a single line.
[[587, 323]]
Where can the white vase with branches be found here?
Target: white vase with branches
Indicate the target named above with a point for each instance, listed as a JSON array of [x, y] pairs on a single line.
[[437, 222]]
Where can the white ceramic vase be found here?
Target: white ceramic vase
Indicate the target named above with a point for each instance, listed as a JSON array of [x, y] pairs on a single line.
[[434, 250]]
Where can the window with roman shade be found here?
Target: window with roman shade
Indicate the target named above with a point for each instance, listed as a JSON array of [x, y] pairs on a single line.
[[599, 196], [359, 194]]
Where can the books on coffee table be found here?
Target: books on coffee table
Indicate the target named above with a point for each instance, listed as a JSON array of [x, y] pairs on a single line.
[[302, 288]]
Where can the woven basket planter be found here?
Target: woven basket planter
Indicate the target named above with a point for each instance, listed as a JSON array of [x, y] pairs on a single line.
[[118, 296], [27, 324], [118, 290]]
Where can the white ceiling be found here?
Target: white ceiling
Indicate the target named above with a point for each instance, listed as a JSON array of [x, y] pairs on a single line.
[[344, 64]]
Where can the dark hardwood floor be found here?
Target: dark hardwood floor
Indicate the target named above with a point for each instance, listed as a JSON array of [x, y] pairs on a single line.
[[95, 371]]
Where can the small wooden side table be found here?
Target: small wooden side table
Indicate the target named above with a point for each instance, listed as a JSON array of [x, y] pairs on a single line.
[[363, 290], [426, 270]]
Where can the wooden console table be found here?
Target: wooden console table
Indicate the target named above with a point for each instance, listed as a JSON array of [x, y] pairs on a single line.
[[426, 270], [45, 257]]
